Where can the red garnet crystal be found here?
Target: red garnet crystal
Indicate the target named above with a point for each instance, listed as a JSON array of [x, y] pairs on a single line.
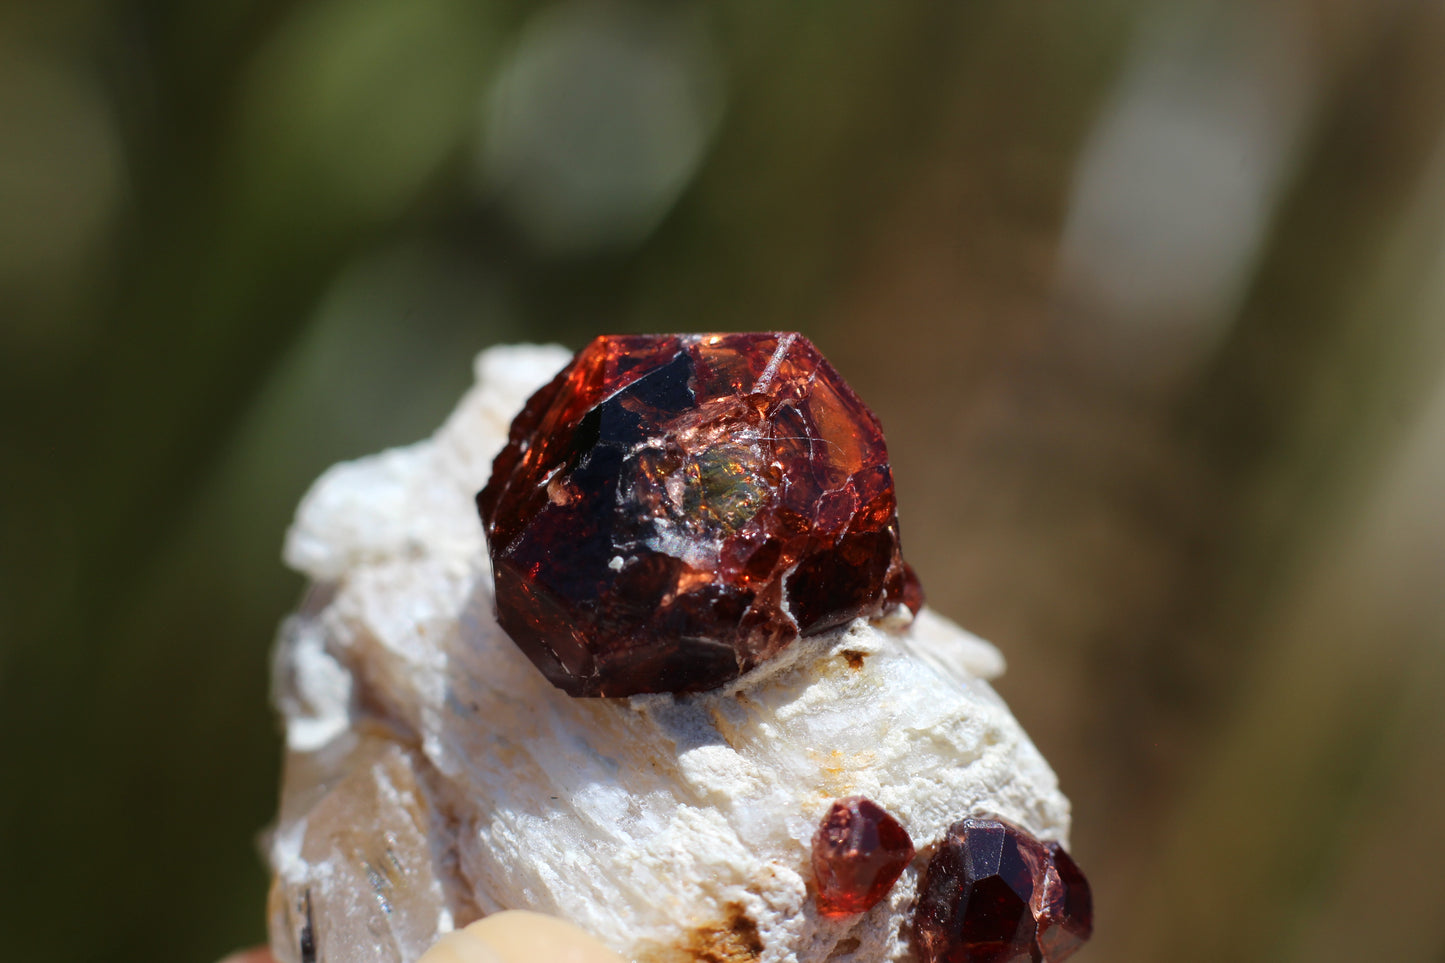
[[859, 852], [672, 510], [992, 893], [1066, 910]]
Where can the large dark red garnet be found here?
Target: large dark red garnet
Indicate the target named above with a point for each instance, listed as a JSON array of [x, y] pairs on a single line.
[[992, 893], [672, 510]]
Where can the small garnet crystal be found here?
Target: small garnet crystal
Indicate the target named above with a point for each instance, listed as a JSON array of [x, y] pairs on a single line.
[[672, 510], [859, 852], [992, 893]]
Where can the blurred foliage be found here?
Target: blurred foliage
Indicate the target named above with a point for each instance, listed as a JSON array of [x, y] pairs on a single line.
[[1148, 294]]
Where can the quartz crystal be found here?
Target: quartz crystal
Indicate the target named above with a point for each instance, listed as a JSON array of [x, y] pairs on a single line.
[[433, 775], [859, 851], [672, 510], [993, 893]]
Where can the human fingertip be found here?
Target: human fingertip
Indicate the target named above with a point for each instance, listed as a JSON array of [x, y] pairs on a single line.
[[258, 955], [518, 936], [460, 946]]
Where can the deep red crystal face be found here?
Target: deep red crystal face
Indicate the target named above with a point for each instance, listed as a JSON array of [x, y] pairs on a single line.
[[672, 510], [859, 851], [993, 893], [1064, 908]]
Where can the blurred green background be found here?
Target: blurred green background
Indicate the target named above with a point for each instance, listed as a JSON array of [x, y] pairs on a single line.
[[1149, 294]]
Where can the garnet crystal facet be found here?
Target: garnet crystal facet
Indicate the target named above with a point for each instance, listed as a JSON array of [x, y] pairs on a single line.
[[1066, 907], [859, 852], [992, 893], [672, 510]]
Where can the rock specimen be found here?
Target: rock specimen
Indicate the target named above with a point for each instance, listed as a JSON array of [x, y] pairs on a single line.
[[993, 893], [859, 852], [672, 510], [433, 775]]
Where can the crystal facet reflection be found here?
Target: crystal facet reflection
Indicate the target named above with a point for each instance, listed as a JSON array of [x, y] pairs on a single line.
[[992, 893]]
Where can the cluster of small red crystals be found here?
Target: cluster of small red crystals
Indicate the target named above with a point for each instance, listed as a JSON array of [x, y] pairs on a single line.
[[672, 510], [859, 852], [992, 893]]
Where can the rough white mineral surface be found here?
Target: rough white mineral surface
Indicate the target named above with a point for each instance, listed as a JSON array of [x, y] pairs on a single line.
[[433, 775]]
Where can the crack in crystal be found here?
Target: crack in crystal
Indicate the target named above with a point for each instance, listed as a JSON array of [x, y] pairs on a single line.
[[765, 380]]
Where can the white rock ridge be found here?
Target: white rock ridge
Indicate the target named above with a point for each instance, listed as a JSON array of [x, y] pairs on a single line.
[[433, 775]]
